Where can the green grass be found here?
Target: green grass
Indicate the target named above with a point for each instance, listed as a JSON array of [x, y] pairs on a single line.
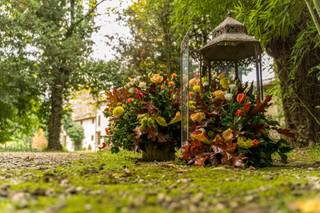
[[103, 182]]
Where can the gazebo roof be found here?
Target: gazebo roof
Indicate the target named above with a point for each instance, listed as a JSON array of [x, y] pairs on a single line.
[[230, 42]]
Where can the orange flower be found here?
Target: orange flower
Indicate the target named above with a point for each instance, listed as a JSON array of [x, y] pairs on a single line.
[[107, 131], [156, 79], [239, 113], [194, 82], [255, 143], [191, 94], [200, 135], [219, 94], [197, 117], [246, 107], [241, 97], [173, 75], [130, 100], [171, 84]]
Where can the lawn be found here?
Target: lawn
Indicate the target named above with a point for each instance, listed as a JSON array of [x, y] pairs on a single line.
[[104, 182]]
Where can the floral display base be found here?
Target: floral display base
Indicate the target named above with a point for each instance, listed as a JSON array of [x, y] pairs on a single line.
[[158, 152]]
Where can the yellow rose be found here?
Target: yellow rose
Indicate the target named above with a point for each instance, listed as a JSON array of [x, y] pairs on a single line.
[[197, 117], [224, 83], [227, 135], [118, 111], [156, 79], [244, 143], [219, 94], [196, 88]]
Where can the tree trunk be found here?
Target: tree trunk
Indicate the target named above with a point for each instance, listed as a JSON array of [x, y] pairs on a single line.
[[300, 94], [55, 118]]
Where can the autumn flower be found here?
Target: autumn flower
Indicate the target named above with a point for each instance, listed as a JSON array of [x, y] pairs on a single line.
[[197, 117], [131, 90], [176, 119], [218, 139], [232, 87], [241, 97], [192, 104], [118, 111], [139, 94], [173, 75], [194, 82], [171, 84], [200, 135], [228, 97], [130, 100], [255, 143], [246, 107], [156, 79], [224, 83], [143, 85], [227, 135], [219, 94], [107, 131], [196, 88], [239, 112], [244, 143]]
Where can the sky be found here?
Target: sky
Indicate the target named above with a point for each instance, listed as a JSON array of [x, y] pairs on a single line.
[[108, 26]]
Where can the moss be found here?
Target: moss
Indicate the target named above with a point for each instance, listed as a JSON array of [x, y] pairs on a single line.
[[104, 182]]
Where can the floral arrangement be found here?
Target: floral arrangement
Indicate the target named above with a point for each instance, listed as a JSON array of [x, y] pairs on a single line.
[[228, 125], [145, 115]]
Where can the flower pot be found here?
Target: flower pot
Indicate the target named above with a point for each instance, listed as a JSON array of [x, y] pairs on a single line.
[[158, 152]]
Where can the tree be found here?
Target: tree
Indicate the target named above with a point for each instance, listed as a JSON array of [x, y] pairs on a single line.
[[54, 49], [288, 34], [61, 33], [19, 88], [152, 46]]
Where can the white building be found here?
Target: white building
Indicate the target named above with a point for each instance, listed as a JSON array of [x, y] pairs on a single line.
[[88, 112]]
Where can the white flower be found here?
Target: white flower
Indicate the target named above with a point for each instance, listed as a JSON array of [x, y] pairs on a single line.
[[232, 87], [142, 85], [228, 97], [131, 90]]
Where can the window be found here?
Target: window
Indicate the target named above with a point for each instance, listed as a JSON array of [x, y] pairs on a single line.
[[92, 137], [92, 120], [99, 120]]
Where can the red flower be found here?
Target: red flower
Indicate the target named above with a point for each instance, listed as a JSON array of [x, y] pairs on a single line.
[[139, 94], [246, 107], [255, 143], [241, 97], [130, 100], [239, 112]]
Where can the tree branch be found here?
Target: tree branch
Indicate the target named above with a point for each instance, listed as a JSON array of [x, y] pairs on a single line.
[[75, 24]]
